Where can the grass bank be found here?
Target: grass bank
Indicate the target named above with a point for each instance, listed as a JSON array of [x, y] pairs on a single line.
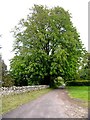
[[79, 93], [12, 101]]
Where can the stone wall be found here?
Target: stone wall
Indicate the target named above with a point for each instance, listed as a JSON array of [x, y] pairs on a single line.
[[18, 90]]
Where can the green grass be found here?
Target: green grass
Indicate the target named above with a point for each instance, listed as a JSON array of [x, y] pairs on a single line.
[[79, 92], [12, 101]]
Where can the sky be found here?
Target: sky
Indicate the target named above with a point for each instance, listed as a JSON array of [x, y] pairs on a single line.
[[12, 11]]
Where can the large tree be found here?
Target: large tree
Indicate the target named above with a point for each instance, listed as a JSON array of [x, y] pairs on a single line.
[[47, 45]]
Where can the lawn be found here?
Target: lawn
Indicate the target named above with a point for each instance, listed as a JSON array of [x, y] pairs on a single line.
[[79, 93], [12, 101]]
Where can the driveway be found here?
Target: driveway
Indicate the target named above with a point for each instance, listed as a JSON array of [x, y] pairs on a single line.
[[55, 104]]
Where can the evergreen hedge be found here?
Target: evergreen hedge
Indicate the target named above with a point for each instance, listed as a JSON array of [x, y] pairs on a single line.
[[78, 83]]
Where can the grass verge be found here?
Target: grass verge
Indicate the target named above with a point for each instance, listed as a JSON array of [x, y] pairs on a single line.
[[79, 93], [13, 101]]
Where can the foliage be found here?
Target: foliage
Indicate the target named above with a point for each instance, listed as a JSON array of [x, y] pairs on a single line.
[[5, 77], [78, 83], [58, 82], [84, 72], [47, 45], [18, 73], [88, 66], [7, 80]]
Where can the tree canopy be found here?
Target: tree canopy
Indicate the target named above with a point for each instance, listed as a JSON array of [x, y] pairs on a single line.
[[46, 46]]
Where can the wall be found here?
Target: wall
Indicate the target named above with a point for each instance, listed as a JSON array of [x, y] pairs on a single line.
[[18, 90]]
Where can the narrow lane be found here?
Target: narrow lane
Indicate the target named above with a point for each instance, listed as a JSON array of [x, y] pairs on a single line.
[[51, 105]]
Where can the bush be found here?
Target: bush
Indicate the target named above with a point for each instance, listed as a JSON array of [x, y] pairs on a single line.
[[7, 81], [78, 83], [58, 82]]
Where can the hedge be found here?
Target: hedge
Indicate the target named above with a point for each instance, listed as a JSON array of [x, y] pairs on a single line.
[[78, 83]]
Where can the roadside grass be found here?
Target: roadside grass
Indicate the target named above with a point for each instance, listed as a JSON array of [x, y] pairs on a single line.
[[10, 102], [79, 93]]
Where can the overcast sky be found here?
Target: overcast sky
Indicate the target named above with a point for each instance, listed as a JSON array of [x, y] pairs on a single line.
[[11, 11]]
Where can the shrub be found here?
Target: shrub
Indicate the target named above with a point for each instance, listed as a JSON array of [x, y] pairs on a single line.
[[78, 83], [58, 82], [7, 81]]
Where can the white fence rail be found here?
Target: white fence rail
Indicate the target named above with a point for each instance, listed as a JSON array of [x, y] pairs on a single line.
[[18, 90]]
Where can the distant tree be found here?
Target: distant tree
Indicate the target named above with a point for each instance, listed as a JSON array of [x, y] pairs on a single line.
[[0, 72], [3, 70], [0, 67], [7, 80], [0, 45], [5, 77], [47, 46], [89, 66]]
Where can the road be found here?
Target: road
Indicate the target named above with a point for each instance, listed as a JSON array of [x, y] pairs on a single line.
[[55, 104]]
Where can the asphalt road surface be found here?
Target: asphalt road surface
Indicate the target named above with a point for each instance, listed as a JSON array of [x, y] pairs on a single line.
[[55, 104]]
